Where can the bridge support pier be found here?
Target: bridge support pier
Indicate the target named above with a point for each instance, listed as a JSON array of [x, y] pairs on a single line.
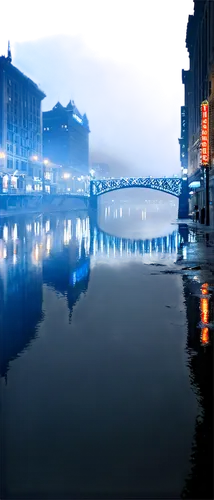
[[183, 203], [93, 201]]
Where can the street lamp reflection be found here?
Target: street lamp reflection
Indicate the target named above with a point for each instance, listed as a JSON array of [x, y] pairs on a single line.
[[204, 307]]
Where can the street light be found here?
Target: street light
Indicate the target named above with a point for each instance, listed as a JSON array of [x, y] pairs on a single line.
[[92, 172], [66, 175]]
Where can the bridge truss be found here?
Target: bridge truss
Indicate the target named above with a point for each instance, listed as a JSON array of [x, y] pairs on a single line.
[[170, 185]]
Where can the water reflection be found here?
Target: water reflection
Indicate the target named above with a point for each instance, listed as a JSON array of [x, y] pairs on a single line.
[[134, 221], [53, 235], [199, 301], [59, 252], [204, 307]]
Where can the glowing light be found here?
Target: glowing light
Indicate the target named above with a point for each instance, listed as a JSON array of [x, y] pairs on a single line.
[[114, 248], [47, 176], [185, 253], [67, 232], [36, 228], [36, 252], [79, 274], [204, 304], [77, 118], [2, 155], [15, 233], [47, 226], [121, 247], [101, 243], [66, 175], [14, 258], [46, 161], [48, 244], [5, 233], [205, 133], [205, 336], [35, 158], [195, 184]]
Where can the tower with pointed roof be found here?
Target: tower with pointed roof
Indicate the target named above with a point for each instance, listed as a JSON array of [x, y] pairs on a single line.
[[66, 138]]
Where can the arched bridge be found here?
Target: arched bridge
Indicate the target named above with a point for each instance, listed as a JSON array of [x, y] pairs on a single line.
[[170, 185]]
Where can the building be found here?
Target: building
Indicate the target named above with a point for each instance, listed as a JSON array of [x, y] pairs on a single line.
[[198, 82], [21, 164], [66, 139], [100, 170]]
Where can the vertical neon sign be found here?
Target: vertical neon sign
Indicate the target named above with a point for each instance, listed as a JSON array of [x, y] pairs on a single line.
[[205, 133]]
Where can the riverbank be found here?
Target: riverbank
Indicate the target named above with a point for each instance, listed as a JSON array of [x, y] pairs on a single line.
[[196, 225], [41, 204], [50, 210]]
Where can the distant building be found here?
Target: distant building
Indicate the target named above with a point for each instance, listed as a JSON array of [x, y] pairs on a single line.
[[199, 86], [100, 170], [20, 129], [66, 138], [183, 141]]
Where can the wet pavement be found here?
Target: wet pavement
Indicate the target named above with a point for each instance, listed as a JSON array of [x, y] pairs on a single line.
[[106, 366]]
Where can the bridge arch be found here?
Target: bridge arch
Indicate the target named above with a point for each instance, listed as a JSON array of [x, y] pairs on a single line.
[[169, 185]]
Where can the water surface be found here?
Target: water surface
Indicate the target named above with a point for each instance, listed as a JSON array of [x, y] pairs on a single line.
[[97, 397]]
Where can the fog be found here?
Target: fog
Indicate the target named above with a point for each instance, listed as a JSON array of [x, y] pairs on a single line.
[[132, 129], [137, 213]]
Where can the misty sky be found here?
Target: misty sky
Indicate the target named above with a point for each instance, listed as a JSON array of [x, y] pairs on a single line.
[[119, 60]]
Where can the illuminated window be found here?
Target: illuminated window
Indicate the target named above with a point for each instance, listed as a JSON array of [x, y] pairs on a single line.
[[5, 181], [77, 118]]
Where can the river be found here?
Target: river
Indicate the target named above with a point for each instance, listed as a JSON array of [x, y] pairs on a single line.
[[97, 393]]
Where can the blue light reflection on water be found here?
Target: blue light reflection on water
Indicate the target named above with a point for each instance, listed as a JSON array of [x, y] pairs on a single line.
[[57, 253], [42, 238]]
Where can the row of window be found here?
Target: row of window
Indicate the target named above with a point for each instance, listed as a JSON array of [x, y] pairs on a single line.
[[13, 87], [46, 129], [22, 165], [25, 132], [17, 120]]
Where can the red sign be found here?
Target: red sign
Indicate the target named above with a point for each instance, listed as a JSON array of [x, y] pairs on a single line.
[[205, 133]]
